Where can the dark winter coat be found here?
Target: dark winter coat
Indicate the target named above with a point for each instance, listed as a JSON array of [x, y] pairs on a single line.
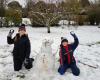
[[64, 54], [21, 46]]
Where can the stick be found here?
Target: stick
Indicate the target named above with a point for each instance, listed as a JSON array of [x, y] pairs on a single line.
[[35, 52], [95, 67], [56, 51]]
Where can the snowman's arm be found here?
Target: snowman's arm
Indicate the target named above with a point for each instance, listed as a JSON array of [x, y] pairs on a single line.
[[56, 51]]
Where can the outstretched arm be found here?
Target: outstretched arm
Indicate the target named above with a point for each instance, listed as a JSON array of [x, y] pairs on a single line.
[[76, 41]]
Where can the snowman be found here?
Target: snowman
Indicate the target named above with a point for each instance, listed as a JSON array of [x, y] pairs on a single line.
[[44, 64], [45, 59]]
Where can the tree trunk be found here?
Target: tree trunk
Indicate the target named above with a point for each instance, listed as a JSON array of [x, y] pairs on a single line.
[[48, 29], [0, 24], [1, 21]]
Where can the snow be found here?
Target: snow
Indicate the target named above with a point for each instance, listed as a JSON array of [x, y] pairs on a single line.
[[66, 22], [88, 52], [63, 22], [26, 21]]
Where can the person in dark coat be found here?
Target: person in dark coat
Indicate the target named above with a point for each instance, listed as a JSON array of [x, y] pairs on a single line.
[[67, 59], [22, 47]]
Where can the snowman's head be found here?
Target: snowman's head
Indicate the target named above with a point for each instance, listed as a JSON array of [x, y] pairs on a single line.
[[46, 46], [47, 42]]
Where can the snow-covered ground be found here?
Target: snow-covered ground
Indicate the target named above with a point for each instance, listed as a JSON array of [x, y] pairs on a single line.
[[87, 53]]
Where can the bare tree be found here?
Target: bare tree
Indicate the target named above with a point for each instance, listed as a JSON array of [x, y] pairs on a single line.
[[45, 14]]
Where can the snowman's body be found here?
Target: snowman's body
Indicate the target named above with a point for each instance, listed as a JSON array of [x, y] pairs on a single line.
[[45, 59], [43, 66]]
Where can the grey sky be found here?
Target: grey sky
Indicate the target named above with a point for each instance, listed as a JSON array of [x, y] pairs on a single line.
[[22, 2]]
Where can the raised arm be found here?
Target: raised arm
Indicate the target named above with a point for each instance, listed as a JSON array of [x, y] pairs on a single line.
[[10, 40], [76, 41]]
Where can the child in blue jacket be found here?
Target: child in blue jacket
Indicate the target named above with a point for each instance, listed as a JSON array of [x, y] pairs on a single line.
[[67, 59]]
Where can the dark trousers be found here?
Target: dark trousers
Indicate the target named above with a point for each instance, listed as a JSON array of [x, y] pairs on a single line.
[[73, 67], [17, 63]]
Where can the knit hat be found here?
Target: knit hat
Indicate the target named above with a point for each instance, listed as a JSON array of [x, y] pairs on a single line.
[[22, 27], [63, 40]]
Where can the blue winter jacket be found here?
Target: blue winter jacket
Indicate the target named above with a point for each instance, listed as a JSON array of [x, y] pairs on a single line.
[[71, 49]]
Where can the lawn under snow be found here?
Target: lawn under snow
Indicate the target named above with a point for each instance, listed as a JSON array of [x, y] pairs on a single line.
[[88, 52]]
